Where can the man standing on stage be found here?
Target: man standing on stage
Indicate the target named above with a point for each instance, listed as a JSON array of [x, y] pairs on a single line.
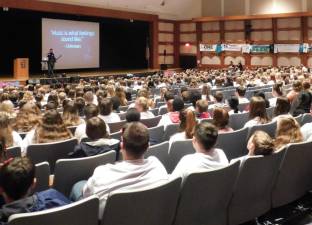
[[51, 63]]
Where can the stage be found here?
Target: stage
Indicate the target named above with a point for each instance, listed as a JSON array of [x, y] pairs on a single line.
[[42, 78]]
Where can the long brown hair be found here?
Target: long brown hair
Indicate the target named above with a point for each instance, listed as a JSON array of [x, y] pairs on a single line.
[[288, 131], [257, 109], [187, 123], [51, 128], [70, 114], [6, 136], [27, 118], [220, 118], [121, 95]]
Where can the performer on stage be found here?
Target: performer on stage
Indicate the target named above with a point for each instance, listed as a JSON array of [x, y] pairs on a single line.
[[51, 62]]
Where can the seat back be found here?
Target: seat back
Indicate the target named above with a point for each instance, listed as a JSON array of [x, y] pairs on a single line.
[[42, 174], [294, 178], [156, 206], [79, 213], [177, 150], [270, 112], [203, 203], [269, 128], [116, 135], [160, 151], [154, 111], [229, 143], [162, 111], [307, 118], [51, 152], [170, 130], [156, 134], [123, 108], [122, 116], [243, 107], [299, 118], [252, 193], [13, 152], [70, 171], [238, 120], [116, 127], [152, 122]]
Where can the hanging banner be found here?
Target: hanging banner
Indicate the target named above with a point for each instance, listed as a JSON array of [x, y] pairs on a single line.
[[286, 48], [304, 48], [246, 48], [260, 49], [207, 48], [232, 47]]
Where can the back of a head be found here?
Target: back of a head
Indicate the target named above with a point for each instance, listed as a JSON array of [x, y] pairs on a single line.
[[135, 139], [187, 122], [220, 118], [177, 104], [278, 88], [16, 177], [105, 106], [206, 134], [96, 128], [282, 106], [233, 103], [70, 108], [194, 97], [297, 86], [133, 115], [142, 103], [90, 111], [88, 96], [241, 91], [202, 106], [52, 118], [115, 102], [218, 96], [262, 142], [168, 96], [257, 108]]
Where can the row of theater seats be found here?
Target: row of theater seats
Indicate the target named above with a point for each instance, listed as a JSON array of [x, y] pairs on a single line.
[[228, 196]]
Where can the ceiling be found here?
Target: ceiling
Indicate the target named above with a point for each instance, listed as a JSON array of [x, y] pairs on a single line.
[[173, 9]]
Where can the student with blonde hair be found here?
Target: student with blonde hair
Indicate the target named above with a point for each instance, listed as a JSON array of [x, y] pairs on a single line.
[[141, 104]]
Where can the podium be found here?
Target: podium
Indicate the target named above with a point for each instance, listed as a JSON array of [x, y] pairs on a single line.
[[21, 69]]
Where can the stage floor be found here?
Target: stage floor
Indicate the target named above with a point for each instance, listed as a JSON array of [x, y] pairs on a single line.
[[10, 78]]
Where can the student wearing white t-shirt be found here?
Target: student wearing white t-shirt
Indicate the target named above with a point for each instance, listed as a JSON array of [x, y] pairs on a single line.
[[257, 112], [141, 104], [133, 173], [106, 111], [206, 157]]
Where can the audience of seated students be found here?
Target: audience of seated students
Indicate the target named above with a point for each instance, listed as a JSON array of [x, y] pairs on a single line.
[[8, 137], [141, 104], [70, 115], [240, 93], [97, 142], [206, 157], [133, 115], [27, 118], [17, 180], [186, 127], [121, 95], [218, 101], [233, 104], [173, 116], [50, 129], [106, 111], [287, 132], [296, 89], [277, 92], [257, 112], [304, 100], [133, 173], [221, 120], [202, 109], [282, 108]]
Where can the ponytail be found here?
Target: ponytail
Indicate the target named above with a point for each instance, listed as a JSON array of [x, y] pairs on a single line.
[[188, 123]]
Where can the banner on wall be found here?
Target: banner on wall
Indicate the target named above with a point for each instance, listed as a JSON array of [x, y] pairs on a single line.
[[207, 47], [286, 48], [232, 47], [260, 49]]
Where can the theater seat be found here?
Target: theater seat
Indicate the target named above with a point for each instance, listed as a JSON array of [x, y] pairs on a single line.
[[160, 151], [152, 122], [42, 174], [177, 150]]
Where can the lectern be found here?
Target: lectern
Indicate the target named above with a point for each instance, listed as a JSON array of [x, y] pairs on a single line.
[[21, 69]]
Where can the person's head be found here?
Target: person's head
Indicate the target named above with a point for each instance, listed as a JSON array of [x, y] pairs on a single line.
[[220, 118], [218, 96], [194, 97], [17, 177], [135, 140], [71, 114], [51, 128], [187, 122], [202, 106], [177, 104], [287, 131], [96, 128], [278, 89], [233, 103], [306, 86], [168, 96], [297, 86], [257, 109], [282, 106], [90, 111], [133, 115], [106, 107], [241, 91], [27, 118], [260, 143], [80, 103], [205, 137], [6, 136], [51, 50], [141, 104], [116, 103]]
